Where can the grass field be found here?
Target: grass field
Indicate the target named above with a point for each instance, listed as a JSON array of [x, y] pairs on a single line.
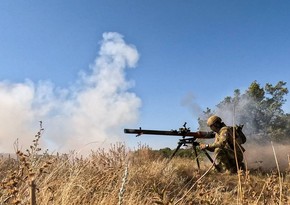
[[120, 176]]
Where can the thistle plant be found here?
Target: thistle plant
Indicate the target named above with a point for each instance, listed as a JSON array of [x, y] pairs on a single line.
[[30, 167]]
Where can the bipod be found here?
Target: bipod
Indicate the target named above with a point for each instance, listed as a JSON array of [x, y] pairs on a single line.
[[184, 142]]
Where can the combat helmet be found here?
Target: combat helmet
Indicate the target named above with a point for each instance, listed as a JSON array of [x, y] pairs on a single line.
[[213, 119]]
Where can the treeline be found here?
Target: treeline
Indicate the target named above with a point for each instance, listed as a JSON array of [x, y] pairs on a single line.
[[167, 153], [259, 108]]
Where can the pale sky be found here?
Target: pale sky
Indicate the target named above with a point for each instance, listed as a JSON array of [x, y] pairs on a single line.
[[89, 69]]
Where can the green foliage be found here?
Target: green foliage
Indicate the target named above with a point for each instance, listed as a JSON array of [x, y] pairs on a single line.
[[165, 152], [256, 92], [259, 109], [183, 153]]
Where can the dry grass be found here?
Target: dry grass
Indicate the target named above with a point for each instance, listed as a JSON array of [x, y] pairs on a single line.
[[120, 176]]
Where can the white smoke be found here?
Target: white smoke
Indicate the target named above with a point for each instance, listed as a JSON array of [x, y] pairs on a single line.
[[92, 112], [259, 153], [189, 101], [262, 156]]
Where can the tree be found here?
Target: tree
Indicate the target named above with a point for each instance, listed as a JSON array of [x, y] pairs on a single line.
[[258, 108]]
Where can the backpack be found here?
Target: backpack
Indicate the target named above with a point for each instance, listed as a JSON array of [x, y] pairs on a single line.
[[239, 135]]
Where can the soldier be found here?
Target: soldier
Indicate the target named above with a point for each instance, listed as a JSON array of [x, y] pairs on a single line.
[[223, 146]]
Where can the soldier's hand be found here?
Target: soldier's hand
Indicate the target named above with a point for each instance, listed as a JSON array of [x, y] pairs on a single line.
[[203, 146]]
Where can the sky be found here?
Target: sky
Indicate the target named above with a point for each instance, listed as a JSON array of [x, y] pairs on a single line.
[[89, 69]]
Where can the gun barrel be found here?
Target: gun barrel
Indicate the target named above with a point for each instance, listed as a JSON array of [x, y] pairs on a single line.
[[160, 132], [149, 132]]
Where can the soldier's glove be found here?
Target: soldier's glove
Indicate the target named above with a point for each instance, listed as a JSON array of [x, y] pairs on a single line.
[[203, 146]]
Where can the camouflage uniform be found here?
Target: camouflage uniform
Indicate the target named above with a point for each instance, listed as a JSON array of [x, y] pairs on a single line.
[[224, 150]]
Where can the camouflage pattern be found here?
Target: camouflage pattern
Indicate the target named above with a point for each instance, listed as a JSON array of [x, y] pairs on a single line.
[[213, 119], [224, 151]]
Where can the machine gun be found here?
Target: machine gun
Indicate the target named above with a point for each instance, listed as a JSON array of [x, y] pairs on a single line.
[[187, 138]]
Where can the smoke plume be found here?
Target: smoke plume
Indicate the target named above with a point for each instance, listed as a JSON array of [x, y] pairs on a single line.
[[89, 114], [262, 156], [189, 101], [259, 152]]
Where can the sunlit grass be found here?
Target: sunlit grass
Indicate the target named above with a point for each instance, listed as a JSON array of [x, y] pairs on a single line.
[[123, 176]]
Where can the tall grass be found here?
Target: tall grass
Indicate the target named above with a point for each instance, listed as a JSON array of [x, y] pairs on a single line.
[[122, 176]]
